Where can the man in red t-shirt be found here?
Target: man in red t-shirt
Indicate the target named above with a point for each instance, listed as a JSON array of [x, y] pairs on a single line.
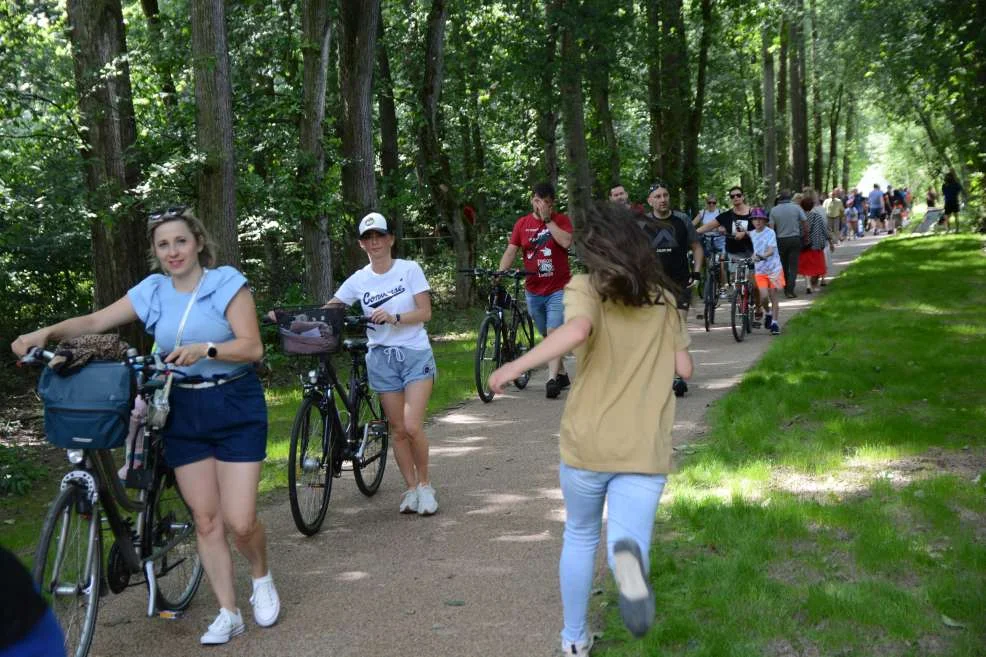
[[543, 239]]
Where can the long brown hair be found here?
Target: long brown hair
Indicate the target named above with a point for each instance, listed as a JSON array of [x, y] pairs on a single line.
[[621, 261]]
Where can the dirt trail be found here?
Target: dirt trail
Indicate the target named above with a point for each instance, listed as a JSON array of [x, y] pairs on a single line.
[[479, 578]]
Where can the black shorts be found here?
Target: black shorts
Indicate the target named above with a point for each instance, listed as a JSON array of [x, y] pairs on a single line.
[[951, 207]]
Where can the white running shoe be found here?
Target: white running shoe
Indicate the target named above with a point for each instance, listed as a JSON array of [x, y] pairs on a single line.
[[636, 596], [577, 649], [427, 504], [227, 625], [266, 603], [409, 501]]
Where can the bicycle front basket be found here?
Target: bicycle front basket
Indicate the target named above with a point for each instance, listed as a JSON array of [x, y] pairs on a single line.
[[311, 331], [88, 408]]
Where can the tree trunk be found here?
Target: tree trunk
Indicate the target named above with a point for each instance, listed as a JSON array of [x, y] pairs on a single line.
[[783, 120], [816, 96], [102, 82], [389, 154], [579, 177], [769, 127], [316, 35], [799, 103], [434, 161], [546, 102], [357, 52], [831, 172], [599, 88], [676, 100], [850, 135], [152, 12], [214, 127], [655, 90], [690, 165]]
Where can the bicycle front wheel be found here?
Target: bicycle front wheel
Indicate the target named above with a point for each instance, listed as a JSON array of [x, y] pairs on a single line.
[[487, 355], [171, 530], [738, 312], [371, 457], [523, 342], [68, 564], [310, 466]]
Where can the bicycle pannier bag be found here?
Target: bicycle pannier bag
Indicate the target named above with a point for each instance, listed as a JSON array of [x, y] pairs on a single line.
[[88, 408], [311, 331]]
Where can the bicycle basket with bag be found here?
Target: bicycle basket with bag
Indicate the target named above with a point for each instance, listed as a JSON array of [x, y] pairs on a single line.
[[88, 408], [310, 331]]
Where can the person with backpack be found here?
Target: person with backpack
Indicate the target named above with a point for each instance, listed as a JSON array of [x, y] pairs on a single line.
[[672, 235], [629, 342]]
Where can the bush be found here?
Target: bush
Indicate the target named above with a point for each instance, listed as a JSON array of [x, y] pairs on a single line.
[[18, 471]]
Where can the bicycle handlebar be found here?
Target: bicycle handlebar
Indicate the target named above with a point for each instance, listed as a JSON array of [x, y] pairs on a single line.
[[506, 273], [152, 364]]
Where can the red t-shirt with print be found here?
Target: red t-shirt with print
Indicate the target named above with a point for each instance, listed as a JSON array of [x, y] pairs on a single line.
[[543, 257]]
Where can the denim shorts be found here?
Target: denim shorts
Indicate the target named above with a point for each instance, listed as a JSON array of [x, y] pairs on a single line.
[[547, 311], [227, 423], [391, 369]]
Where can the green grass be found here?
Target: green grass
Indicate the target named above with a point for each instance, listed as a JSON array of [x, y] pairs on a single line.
[[838, 505]]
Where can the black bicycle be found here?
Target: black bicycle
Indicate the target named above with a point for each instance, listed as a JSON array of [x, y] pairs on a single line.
[[335, 424], [153, 535], [506, 332], [712, 285]]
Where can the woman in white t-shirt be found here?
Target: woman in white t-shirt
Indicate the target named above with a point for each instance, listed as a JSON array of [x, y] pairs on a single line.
[[400, 365]]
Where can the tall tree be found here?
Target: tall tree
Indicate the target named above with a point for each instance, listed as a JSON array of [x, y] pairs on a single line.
[[214, 127], [389, 150], [690, 164], [655, 96], [675, 93], [102, 82], [799, 101], [434, 160], [357, 53], [546, 101], [848, 141], [769, 126], [316, 35], [600, 55], [817, 180], [783, 120], [579, 179], [832, 172]]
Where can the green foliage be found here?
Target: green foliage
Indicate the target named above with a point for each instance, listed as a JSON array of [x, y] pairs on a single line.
[[18, 471]]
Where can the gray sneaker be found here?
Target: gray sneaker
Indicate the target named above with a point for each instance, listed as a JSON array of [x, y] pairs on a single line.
[[636, 597]]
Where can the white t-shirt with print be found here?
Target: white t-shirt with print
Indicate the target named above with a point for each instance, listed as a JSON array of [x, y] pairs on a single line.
[[394, 292], [762, 240]]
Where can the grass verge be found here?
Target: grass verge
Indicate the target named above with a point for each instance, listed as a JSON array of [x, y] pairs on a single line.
[[838, 506]]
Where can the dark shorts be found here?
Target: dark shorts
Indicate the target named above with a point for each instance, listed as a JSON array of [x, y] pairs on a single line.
[[227, 422], [951, 207]]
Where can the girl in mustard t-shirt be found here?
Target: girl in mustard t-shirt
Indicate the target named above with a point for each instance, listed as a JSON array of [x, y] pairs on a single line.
[[615, 436]]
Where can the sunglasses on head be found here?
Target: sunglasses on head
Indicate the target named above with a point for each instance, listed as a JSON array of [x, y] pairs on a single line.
[[169, 214]]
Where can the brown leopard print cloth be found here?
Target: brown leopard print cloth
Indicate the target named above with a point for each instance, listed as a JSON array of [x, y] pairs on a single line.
[[75, 353]]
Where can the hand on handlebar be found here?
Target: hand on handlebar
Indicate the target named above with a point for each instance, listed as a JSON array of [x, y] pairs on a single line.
[[381, 316], [23, 343]]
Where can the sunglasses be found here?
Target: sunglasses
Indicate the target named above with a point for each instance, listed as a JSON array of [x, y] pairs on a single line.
[[169, 214], [711, 202], [737, 195]]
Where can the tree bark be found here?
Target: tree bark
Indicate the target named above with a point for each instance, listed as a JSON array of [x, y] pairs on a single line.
[[546, 102], [799, 103], [676, 96], [102, 82], [816, 95], [579, 177], [316, 35], [831, 172], [214, 127], [783, 120], [692, 179], [599, 89], [434, 161], [769, 127], [850, 135], [389, 154], [655, 89], [356, 56]]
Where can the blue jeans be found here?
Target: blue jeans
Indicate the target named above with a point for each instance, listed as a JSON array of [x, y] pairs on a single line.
[[632, 500], [547, 311]]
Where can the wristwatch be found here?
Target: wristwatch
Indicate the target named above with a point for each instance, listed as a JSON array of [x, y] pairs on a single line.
[[397, 318], [210, 350]]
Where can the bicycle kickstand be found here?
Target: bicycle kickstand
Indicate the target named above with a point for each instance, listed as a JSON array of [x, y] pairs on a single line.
[[151, 587]]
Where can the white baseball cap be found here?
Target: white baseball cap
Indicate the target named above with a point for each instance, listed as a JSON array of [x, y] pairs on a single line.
[[373, 221]]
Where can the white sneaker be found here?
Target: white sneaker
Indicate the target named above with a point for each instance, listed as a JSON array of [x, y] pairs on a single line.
[[636, 596], [409, 501], [227, 625], [265, 601], [577, 649], [427, 504]]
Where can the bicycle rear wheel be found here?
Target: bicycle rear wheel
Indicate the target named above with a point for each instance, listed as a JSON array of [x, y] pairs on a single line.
[[313, 439], [737, 313], [487, 355], [371, 457], [171, 528], [68, 566], [523, 342]]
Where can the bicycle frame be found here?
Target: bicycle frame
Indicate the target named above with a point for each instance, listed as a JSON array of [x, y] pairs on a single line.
[[324, 384]]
